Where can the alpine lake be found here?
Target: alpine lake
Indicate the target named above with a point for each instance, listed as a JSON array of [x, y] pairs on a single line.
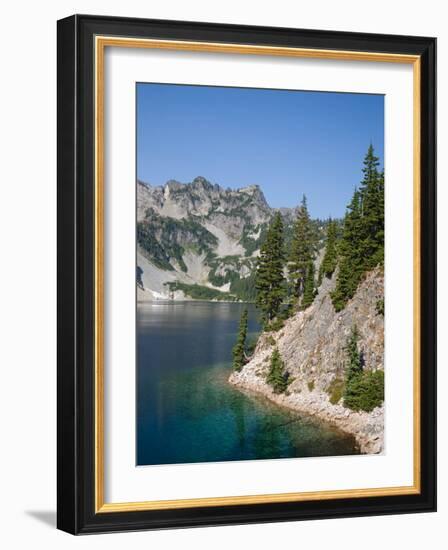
[[186, 409]]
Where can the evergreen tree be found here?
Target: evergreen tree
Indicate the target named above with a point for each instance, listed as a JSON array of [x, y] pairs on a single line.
[[354, 363], [308, 291], [350, 267], [362, 245], [239, 358], [269, 280], [372, 212], [330, 258], [353, 368], [301, 249], [364, 390], [277, 378]]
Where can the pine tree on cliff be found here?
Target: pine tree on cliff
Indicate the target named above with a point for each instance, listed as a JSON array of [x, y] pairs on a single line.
[[364, 390], [277, 377], [350, 266], [372, 193], [353, 370], [354, 364], [362, 246], [330, 258], [301, 249], [239, 358], [308, 291], [269, 280]]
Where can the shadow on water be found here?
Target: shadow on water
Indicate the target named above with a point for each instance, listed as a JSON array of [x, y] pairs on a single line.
[[187, 411]]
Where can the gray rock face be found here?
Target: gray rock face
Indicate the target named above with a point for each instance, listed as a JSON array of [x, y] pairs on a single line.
[[233, 218], [312, 345], [200, 198]]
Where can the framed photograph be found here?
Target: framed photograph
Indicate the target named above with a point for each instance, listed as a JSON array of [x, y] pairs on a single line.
[[246, 274]]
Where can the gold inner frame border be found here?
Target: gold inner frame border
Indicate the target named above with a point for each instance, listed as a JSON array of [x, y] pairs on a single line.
[[100, 44]]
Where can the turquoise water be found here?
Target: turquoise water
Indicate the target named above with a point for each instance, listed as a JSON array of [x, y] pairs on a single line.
[[186, 410]]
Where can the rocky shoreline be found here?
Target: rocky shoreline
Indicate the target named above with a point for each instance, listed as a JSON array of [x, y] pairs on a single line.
[[367, 428]]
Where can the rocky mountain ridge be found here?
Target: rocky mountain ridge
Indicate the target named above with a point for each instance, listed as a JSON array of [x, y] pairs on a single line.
[[199, 239]]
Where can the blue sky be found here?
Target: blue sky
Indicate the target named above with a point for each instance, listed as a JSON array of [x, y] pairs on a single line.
[[287, 142]]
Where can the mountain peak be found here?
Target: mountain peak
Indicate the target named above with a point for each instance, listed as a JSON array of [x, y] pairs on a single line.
[[255, 192], [173, 184], [201, 181], [251, 189]]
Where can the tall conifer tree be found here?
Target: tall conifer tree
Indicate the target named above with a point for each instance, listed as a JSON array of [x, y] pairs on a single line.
[[277, 377], [362, 246], [353, 368], [330, 258], [350, 262], [354, 365], [308, 292], [372, 211], [363, 390], [269, 280], [301, 249], [239, 358]]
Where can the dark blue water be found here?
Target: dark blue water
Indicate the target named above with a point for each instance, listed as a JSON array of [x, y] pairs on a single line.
[[187, 411]]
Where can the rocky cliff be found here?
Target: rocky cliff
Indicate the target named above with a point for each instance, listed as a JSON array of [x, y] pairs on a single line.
[[312, 346]]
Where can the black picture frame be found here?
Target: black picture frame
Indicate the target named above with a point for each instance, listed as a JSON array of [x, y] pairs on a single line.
[[76, 255]]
